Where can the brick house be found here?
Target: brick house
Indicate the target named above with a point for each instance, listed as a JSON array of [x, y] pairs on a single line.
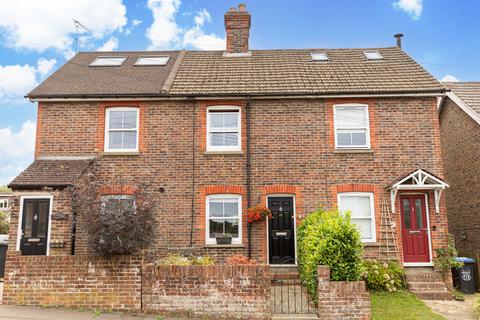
[[217, 132], [460, 134]]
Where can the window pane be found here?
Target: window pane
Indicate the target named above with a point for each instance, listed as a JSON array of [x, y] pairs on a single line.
[[419, 213], [119, 204], [231, 120], [216, 120], [130, 140], [231, 226], [362, 208], [42, 218], [365, 226], [359, 138], [129, 119], [231, 139], [115, 140], [115, 120], [231, 209], [350, 117], [28, 218], [344, 138], [216, 139], [406, 213], [216, 208], [216, 227]]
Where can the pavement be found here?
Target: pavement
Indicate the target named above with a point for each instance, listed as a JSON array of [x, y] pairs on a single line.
[[455, 310]]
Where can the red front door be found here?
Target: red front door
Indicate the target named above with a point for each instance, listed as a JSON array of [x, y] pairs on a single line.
[[416, 246]]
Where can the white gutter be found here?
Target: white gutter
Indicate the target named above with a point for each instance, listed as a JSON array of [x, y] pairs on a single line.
[[389, 95], [465, 107]]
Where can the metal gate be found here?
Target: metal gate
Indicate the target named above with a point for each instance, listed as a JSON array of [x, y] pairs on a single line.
[[289, 296]]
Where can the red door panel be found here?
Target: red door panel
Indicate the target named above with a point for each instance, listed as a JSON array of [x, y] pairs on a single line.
[[414, 228]]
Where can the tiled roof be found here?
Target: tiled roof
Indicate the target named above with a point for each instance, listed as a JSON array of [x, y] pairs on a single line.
[[469, 92], [268, 72], [50, 173], [77, 78], [265, 72]]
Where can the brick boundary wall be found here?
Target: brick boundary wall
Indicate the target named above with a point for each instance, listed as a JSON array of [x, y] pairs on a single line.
[[347, 300], [73, 282], [213, 292]]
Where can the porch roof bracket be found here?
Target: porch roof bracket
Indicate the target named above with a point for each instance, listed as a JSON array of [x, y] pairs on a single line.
[[418, 180]]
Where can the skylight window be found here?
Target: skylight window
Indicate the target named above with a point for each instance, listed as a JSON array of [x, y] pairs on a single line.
[[319, 56], [373, 55], [108, 61], [152, 61]]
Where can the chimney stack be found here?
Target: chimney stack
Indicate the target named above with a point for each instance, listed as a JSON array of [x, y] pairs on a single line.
[[237, 26], [399, 39]]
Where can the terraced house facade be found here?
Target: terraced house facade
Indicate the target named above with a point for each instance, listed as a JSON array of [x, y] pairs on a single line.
[[216, 132]]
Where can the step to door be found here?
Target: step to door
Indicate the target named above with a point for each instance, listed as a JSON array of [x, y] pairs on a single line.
[[426, 284], [294, 317]]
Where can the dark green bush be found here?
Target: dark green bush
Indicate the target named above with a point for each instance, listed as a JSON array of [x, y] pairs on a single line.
[[328, 238], [383, 276]]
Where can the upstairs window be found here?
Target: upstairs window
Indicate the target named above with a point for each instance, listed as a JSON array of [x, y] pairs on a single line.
[[224, 212], [3, 203], [152, 61], [223, 129], [373, 55], [319, 56], [351, 126], [360, 205], [118, 204], [121, 129], [108, 61]]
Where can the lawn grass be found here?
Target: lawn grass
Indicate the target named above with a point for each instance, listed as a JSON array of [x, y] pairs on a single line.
[[400, 305]]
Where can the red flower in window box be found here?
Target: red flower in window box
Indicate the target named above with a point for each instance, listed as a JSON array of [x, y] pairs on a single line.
[[258, 213]]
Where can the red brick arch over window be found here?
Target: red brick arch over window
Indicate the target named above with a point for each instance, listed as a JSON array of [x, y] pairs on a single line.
[[362, 187], [200, 225], [117, 190]]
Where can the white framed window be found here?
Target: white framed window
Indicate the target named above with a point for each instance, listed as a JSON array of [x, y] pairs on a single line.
[[319, 56], [3, 203], [108, 61], [152, 61], [361, 207], [121, 129], [352, 126], [224, 216], [373, 55], [118, 203], [224, 129]]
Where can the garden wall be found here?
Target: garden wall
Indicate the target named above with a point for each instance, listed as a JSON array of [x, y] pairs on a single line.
[[347, 300], [73, 282], [223, 292]]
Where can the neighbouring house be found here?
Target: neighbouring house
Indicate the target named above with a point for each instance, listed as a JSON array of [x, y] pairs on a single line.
[[460, 133], [5, 200], [216, 132]]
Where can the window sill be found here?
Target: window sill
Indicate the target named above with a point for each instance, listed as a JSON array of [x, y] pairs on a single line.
[[224, 152], [234, 245], [120, 153], [341, 151]]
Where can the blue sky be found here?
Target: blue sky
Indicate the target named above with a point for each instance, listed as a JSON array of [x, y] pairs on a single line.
[[36, 38]]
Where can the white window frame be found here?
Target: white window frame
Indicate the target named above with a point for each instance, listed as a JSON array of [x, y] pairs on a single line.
[[3, 203], [239, 128], [95, 62], [372, 210], [319, 56], [212, 241], [108, 130], [139, 60], [336, 128], [370, 57]]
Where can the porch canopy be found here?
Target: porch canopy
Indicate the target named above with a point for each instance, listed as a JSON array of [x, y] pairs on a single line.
[[418, 180]]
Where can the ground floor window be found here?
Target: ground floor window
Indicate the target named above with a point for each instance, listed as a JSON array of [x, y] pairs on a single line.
[[360, 204], [118, 203], [223, 216]]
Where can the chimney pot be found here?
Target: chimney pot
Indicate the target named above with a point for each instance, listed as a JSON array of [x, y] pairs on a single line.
[[399, 39], [237, 27]]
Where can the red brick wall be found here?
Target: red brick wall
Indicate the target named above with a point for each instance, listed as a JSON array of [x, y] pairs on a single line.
[[347, 300], [461, 153], [291, 146], [73, 282], [220, 292]]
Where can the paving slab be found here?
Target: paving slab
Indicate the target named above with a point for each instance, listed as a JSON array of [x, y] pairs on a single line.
[[455, 310]]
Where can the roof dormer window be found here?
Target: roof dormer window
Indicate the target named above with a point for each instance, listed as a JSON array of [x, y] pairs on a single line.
[[152, 61], [319, 56], [373, 55], [108, 61]]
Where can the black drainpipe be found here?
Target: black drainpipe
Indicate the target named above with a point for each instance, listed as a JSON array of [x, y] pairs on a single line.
[[248, 168]]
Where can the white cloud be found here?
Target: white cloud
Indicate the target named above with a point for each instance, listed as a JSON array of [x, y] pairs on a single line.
[[39, 25], [110, 45], [136, 22], [411, 7], [16, 148], [449, 78], [44, 66], [165, 33], [17, 80]]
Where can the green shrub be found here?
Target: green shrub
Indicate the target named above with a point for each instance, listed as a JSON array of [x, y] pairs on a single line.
[[383, 276], [445, 257], [176, 259], [328, 238], [3, 223]]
